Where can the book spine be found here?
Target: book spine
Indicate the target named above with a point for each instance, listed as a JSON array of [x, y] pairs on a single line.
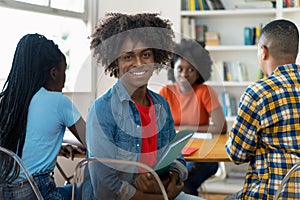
[[192, 5], [198, 5], [184, 4], [192, 28]]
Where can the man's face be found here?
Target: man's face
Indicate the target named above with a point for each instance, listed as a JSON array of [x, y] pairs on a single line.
[[135, 63]]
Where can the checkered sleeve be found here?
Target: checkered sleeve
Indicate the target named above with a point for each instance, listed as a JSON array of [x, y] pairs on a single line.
[[242, 140]]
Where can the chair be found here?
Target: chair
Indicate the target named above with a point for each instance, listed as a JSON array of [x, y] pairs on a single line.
[[85, 184], [6, 183], [290, 182]]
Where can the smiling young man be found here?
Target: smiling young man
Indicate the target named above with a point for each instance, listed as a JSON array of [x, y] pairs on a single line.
[[129, 121]]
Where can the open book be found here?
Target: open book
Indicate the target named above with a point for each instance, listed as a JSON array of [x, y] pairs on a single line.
[[172, 150]]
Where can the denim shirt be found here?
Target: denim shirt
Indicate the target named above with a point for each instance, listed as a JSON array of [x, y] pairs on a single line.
[[114, 131]]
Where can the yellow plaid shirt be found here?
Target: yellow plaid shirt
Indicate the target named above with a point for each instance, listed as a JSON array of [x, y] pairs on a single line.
[[266, 132]]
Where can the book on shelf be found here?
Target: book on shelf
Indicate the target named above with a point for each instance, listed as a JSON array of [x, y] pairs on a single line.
[[184, 4], [204, 4], [193, 5], [290, 3], [229, 71], [172, 150], [200, 30], [229, 104], [254, 4], [212, 38], [192, 28], [209, 5], [217, 4]]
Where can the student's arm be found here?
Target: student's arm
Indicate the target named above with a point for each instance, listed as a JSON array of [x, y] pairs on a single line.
[[242, 145], [219, 124], [78, 130]]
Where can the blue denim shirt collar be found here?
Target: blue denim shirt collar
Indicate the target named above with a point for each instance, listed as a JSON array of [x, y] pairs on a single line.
[[122, 92]]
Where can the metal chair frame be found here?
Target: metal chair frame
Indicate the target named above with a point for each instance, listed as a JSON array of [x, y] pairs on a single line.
[[285, 179], [24, 169], [121, 162]]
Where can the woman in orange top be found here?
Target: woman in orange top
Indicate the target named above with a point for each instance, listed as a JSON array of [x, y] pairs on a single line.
[[193, 104]]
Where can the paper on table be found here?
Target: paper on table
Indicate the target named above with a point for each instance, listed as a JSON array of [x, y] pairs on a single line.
[[203, 136]]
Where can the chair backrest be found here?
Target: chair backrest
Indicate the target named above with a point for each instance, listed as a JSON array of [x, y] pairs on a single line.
[[90, 176], [290, 185], [6, 183]]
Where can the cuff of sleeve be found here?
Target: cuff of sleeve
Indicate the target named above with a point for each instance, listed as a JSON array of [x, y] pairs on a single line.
[[180, 169], [126, 191]]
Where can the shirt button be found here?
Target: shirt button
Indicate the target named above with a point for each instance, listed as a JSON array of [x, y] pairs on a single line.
[[138, 126], [138, 145]]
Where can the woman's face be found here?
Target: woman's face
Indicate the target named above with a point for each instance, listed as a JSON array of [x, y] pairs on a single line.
[[135, 63], [185, 74]]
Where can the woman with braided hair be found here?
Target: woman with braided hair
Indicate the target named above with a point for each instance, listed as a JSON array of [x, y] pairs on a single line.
[[34, 114]]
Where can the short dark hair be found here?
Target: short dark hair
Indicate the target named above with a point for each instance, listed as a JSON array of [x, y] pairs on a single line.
[[283, 38], [195, 53], [111, 31]]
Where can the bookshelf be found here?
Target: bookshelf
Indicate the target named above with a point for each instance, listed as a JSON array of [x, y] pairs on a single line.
[[229, 23]]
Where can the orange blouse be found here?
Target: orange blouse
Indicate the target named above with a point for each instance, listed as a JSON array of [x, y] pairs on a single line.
[[193, 107]]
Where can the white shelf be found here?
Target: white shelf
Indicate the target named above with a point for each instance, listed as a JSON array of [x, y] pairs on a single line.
[[229, 13], [291, 10]]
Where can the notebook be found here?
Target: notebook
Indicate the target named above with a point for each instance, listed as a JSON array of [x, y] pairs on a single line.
[[173, 149]]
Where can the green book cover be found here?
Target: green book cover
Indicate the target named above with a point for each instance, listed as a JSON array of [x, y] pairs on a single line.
[[172, 150]]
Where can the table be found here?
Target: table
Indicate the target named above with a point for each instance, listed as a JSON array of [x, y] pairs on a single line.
[[78, 150], [210, 150]]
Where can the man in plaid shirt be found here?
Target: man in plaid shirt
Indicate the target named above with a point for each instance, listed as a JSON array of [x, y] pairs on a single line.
[[266, 132]]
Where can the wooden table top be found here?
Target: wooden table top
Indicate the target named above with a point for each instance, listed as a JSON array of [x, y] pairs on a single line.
[[210, 150]]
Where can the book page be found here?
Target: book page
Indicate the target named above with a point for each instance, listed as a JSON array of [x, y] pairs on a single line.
[[173, 149]]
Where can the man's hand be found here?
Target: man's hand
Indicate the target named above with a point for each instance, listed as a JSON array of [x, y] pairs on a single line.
[[172, 188], [147, 183], [69, 150]]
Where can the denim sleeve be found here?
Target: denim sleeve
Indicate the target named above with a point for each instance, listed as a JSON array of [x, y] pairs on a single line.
[[180, 169], [99, 136]]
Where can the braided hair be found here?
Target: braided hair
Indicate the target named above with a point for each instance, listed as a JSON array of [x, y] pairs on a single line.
[[113, 28], [34, 56]]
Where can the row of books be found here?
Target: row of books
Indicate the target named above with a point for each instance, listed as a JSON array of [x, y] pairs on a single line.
[[229, 71], [254, 4], [291, 3], [192, 28], [251, 35], [229, 104], [193, 5]]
